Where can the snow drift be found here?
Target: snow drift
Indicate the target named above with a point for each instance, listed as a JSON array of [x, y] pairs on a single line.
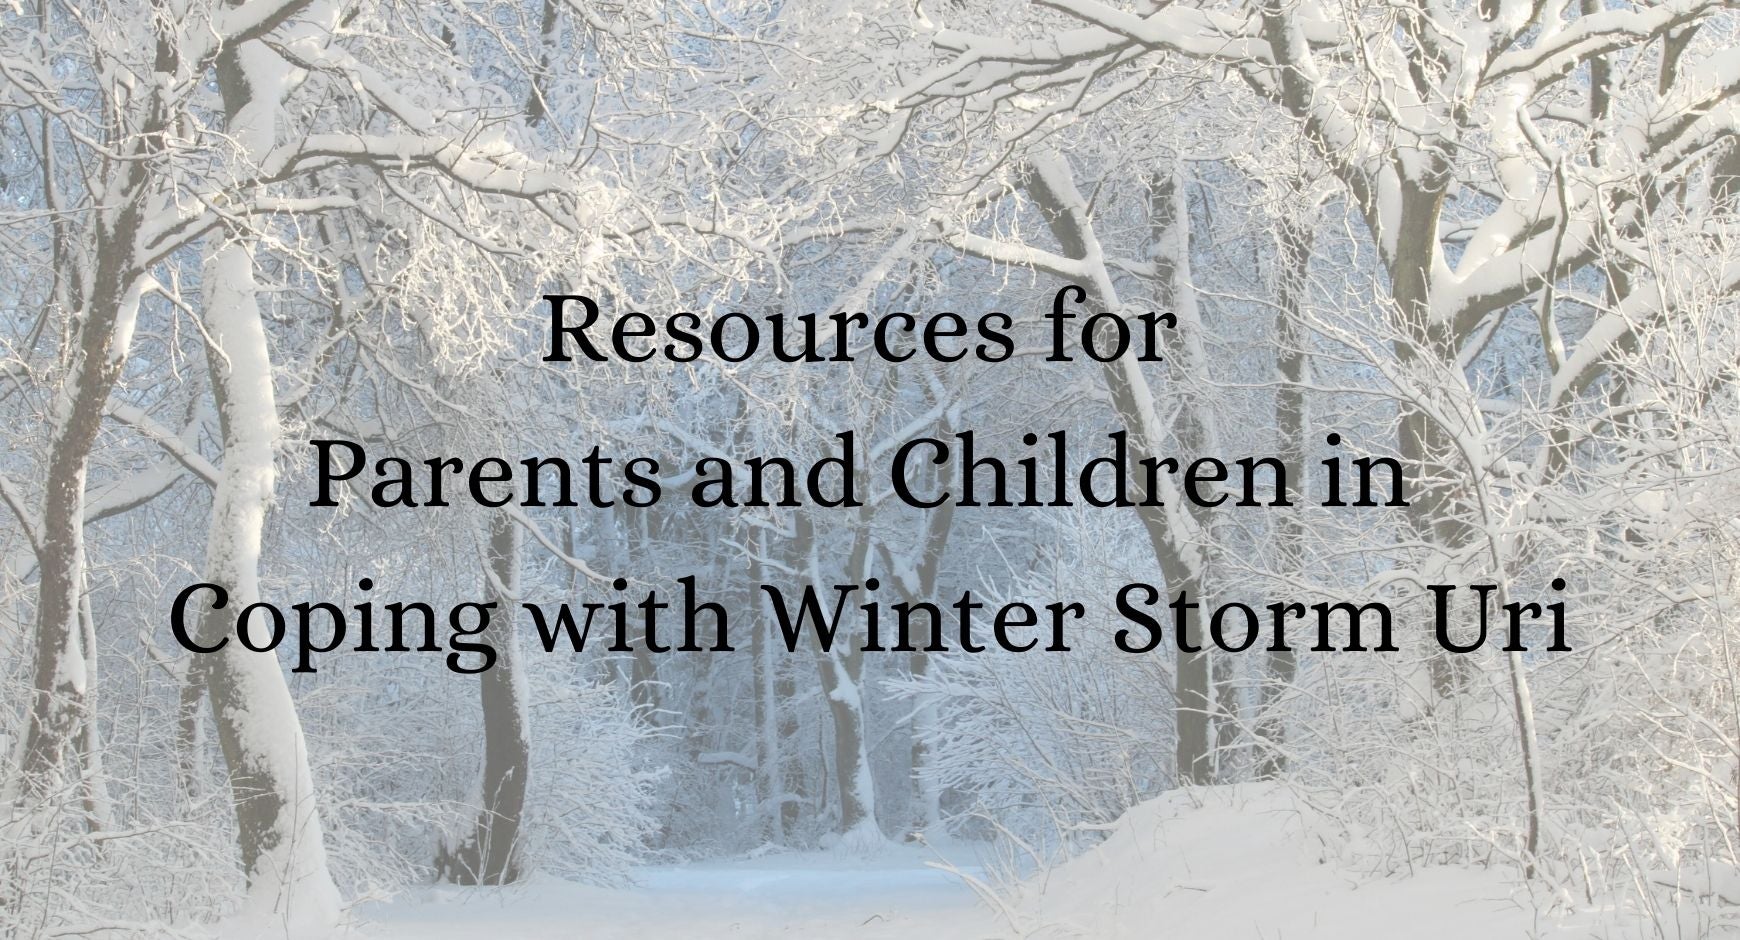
[[1253, 861]]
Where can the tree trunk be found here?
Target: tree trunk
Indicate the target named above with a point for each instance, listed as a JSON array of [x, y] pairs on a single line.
[[1050, 185], [490, 855], [793, 785], [109, 309], [939, 524], [842, 673], [1283, 667], [61, 655], [769, 746], [277, 817], [278, 823]]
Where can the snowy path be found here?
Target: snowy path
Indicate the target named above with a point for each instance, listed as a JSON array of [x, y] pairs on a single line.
[[809, 895]]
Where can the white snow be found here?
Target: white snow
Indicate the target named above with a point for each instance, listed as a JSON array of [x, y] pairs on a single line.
[[1252, 861], [290, 882], [893, 892], [1246, 861]]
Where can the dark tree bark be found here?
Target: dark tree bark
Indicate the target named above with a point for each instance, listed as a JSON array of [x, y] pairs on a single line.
[[1283, 667], [58, 704], [490, 854], [939, 524], [842, 674]]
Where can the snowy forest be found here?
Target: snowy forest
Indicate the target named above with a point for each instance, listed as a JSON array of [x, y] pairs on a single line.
[[1492, 243]]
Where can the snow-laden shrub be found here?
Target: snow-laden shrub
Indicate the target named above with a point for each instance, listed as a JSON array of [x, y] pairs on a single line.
[[589, 802], [153, 875], [1050, 748], [1636, 736], [398, 786], [395, 746], [130, 847]]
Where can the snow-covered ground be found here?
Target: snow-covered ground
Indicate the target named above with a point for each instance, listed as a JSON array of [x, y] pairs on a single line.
[[1250, 862], [1242, 862], [893, 892]]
